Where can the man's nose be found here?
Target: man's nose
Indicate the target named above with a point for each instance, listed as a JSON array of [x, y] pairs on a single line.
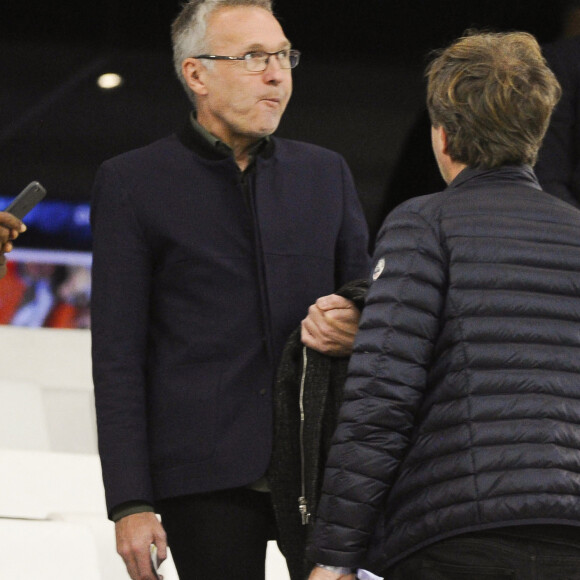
[[273, 70]]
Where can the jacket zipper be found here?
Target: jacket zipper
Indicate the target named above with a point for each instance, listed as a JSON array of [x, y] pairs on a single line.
[[302, 503]]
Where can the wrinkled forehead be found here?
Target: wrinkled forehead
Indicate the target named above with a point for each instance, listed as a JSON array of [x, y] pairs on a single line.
[[236, 30]]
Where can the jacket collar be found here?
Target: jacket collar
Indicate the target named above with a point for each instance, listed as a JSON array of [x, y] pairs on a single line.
[[195, 137], [506, 173]]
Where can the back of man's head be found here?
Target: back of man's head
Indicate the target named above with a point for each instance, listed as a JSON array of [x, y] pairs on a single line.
[[493, 94]]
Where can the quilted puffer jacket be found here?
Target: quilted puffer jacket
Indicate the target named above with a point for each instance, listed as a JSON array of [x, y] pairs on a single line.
[[462, 404]]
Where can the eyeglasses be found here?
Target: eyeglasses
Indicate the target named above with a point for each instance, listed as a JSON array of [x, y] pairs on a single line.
[[257, 61]]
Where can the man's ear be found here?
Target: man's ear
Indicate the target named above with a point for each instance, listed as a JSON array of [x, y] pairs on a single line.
[[444, 139], [193, 73]]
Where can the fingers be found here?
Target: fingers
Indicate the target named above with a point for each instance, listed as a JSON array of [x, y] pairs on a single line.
[[334, 301], [11, 227], [331, 326], [160, 540], [5, 240]]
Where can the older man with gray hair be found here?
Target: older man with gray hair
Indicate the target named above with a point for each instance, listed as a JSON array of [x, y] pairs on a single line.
[[210, 248]]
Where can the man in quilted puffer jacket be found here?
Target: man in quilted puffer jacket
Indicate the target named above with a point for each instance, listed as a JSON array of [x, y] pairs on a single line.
[[457, 452]]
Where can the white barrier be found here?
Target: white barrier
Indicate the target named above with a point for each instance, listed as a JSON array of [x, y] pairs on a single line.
[[47, 550], [52, 367], [36, 484]]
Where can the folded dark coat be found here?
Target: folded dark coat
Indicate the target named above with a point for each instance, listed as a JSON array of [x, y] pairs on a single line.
[[300, 447]]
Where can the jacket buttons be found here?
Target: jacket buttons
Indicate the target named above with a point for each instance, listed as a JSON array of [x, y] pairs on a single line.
[[263, 392]]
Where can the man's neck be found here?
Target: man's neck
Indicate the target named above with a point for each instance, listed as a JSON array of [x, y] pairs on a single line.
[[453, 170], [240, 145], [241, 151]]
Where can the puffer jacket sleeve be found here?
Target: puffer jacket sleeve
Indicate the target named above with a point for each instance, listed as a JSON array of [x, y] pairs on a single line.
[[385, 386]]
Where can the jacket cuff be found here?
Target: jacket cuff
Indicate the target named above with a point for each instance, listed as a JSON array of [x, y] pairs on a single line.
[[340, 570], [130, 508]]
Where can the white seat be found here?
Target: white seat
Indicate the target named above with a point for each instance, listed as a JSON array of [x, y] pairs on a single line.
[[47, 390], [35, 484], [111, 565], [23, 422], [34, 550]]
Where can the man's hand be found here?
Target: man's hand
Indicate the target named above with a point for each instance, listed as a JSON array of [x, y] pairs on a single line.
[[331, 325], [322, 574], [135, 534], [10, 228]]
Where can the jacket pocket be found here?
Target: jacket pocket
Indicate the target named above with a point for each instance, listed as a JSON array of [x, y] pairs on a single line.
[[183, 409]]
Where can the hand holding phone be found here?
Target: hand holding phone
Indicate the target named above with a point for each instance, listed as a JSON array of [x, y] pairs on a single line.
[[18, 208], [28, 198]]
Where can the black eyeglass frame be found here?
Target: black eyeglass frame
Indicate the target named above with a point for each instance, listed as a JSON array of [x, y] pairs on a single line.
[[292, 54]]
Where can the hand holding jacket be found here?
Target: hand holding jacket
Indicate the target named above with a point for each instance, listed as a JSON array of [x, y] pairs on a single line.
[[331, 325]]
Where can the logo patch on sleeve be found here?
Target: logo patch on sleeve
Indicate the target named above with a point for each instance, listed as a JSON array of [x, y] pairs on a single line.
[[379, 268]]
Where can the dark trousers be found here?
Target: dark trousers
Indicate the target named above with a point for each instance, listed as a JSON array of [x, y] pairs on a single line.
[[221, 534], [518, 553]]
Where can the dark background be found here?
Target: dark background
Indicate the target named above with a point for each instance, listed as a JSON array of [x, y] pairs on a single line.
[[358, 89]]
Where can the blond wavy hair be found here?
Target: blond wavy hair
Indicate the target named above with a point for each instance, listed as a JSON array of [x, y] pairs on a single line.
[[493, 93]]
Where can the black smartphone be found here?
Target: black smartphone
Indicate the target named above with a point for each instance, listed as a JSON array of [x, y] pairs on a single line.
[[26, 199]]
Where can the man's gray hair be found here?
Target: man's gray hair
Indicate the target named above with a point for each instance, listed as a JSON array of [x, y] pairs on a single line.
[[188, 32]]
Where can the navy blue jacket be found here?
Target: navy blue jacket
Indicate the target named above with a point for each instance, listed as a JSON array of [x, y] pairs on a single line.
[[195, 291], [462, 404]]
